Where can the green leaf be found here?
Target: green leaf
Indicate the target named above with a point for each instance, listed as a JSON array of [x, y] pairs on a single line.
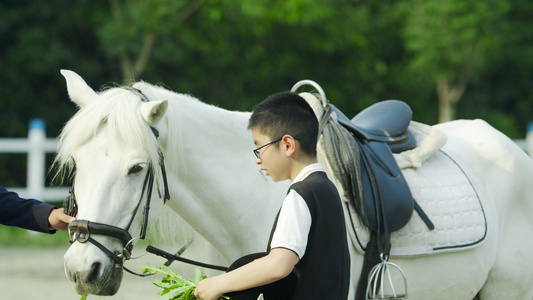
[[174, 286]]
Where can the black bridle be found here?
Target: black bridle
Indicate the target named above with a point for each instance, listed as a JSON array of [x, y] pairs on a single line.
[[81, 230]]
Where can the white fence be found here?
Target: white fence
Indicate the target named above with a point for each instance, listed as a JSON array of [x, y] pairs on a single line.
[[37, 145]]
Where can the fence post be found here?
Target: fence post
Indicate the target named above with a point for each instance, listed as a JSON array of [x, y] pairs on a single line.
[[529, 139], [36, 158]]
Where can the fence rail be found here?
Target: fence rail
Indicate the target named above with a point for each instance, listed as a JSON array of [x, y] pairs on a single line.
[[37, 145]]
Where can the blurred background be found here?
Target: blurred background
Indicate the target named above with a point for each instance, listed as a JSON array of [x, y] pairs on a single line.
[[448, 59]]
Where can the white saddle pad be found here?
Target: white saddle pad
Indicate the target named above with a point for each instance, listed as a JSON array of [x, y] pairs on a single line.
[[446, 195]]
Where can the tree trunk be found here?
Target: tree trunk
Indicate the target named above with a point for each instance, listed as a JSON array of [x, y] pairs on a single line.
[[448, 98], [131, 69]]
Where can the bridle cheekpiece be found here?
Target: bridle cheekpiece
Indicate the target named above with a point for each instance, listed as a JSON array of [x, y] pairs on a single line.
[[82, 230]]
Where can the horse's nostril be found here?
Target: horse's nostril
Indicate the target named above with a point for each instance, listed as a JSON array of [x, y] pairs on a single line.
[[93, 273]]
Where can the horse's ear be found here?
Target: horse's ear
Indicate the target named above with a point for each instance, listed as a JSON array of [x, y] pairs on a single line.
[[153, 111], [78, 90]]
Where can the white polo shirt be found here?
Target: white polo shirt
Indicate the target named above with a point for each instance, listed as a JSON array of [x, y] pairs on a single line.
[[294, 221]]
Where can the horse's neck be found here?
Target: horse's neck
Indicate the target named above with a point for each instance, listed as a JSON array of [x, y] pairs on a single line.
[[216, 187]]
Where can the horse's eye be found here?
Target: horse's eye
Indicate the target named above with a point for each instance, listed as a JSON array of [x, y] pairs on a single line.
[[135, 169]]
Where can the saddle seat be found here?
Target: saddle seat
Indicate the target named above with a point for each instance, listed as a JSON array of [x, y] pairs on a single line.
[[385, 121]]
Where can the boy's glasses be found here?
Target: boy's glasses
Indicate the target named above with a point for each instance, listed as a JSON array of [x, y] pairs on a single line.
[[256, 151]]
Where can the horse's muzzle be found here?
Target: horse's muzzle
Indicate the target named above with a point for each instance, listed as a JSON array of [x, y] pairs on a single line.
[[97, 279]]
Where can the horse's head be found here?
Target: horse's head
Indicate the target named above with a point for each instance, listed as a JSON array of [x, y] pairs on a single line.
[[111, 152]]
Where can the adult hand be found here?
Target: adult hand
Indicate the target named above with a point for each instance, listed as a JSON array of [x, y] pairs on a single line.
[[58, 220]]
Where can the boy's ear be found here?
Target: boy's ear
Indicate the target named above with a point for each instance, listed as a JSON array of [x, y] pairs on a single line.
[[290, 145]]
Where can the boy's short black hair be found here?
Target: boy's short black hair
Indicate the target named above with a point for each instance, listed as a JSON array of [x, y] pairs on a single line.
[[287, 113]]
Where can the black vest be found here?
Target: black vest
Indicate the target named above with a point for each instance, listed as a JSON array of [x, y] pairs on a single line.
[[324, 270]]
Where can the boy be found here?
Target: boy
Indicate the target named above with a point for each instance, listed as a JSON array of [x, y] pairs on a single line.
[[309, 236]]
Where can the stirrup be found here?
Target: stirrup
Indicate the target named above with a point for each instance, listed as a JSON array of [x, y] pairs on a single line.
[[380, 281]]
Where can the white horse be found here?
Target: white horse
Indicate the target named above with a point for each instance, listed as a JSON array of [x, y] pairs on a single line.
[[216, 188]]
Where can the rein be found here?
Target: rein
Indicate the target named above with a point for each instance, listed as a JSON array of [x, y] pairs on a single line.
[[81, 230]]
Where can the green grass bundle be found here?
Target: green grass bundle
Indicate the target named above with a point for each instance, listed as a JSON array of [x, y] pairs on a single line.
[[174, 286]]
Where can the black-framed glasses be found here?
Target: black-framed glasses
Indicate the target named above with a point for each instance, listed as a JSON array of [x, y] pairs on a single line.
[[256, 151]]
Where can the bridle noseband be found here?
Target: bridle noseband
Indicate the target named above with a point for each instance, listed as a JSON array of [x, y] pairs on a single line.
[[81, 230]]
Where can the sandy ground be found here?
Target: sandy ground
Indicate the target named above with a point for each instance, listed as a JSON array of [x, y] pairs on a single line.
[[38, 274]]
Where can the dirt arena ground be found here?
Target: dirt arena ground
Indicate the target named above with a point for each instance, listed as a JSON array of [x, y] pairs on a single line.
[[38, 274]]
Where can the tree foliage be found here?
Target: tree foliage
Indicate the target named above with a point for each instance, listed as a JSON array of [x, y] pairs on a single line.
[[450, 40], [235, 53]]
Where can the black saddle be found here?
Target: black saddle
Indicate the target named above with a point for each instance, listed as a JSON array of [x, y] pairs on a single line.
[[360, 152], [385, 199], [376, 185]]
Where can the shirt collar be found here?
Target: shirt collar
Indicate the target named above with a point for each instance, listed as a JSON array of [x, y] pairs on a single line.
[[308, 170]]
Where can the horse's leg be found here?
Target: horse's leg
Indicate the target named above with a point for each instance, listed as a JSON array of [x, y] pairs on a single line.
[[512, 273]]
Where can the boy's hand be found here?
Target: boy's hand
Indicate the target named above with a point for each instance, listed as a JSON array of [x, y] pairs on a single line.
[[207, 289]]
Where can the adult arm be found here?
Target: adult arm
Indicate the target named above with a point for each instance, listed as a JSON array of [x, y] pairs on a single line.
[[29, 214]]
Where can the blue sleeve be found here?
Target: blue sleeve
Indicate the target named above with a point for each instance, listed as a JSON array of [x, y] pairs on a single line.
[[24, 213]]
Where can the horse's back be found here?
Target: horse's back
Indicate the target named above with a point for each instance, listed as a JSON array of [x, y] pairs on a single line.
[[504, 172], [490, 143]]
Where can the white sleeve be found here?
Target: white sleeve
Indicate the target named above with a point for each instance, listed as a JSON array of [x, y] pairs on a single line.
[[294, 224]]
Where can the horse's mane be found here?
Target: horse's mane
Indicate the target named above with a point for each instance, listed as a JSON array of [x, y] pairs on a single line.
[[115, 112], [178, 105]]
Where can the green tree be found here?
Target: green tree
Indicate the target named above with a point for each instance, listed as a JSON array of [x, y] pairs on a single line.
[[35, 43], [135, 25], [450, 40], [235, 53]]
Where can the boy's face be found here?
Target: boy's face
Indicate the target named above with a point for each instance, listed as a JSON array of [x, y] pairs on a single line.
[[272, 158]]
